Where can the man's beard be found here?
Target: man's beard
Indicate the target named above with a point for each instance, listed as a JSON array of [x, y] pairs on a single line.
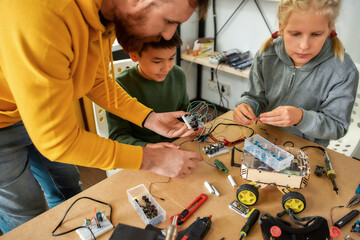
[[129, 42]]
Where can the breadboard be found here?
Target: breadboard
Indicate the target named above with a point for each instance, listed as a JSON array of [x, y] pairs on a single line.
[[85, 234]]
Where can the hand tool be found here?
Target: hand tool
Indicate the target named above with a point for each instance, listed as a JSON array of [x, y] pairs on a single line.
[[197, 230], [253, 216], [356, 199], [330, 171], [187, 212], [172, 232]]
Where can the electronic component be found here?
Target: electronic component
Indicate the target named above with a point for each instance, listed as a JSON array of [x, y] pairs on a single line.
[[220, 166], [191, 121], [239, 208], [347, 218], [246, 63], [218, 58], [98, 229], [215, 149], [145, 205], [267, 152], [216, 191], [208, 186], [232, 181], [237, 57]]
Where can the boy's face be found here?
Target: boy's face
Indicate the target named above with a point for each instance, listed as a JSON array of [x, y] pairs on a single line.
[[155, 64], [304, 35]]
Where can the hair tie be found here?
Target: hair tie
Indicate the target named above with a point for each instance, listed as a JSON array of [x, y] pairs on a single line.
[[333, 34], [275, 34]]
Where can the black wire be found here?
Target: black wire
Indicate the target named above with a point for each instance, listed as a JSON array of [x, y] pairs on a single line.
[[158, 182], [267, 24], [67, 211], [222, 97], [215, 41], [230, 17], [292, 143], [318, 147], [186, 141], [215, 26], [230, 124]]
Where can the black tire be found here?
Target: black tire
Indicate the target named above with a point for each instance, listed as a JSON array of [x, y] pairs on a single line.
[[295, 201], [247, 194]]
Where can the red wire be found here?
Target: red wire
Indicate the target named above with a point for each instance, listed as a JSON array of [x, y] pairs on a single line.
[[279, 137]]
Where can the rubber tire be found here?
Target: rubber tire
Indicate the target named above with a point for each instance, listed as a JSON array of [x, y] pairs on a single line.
[[252, 190], [296, 196]]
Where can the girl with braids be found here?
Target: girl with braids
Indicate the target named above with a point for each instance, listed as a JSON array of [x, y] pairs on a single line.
[[301, 78]]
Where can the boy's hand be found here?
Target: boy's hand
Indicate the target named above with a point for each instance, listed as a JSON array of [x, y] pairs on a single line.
[[162, 145], [167, 124], [283, 116], [169, 162], [244, 115]]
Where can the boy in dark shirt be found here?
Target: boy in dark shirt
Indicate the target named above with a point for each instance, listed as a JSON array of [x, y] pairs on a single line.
[[157, 83]]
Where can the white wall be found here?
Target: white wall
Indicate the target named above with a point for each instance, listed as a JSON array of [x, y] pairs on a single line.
[[247, 31]]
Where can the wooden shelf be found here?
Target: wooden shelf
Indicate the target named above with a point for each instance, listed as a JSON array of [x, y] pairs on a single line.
[[205, 62]]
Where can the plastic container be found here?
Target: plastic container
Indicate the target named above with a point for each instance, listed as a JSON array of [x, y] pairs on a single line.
[[267, 152], [135, 196]]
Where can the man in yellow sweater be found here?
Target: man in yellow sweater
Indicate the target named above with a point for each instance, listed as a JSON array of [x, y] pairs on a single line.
[[55, 52]]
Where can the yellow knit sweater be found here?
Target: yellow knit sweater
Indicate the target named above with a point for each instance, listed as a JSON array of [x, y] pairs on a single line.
[[50, 55]]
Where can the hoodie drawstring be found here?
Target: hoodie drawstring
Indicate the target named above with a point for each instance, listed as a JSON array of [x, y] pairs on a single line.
[[106, 73], [104, 68], [113, 73]]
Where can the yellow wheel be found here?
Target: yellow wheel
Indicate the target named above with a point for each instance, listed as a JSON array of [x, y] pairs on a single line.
[[295, 201], [247, 194]]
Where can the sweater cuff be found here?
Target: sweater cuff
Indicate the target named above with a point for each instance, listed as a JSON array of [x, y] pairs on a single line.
[[308, 121], [143, 123]]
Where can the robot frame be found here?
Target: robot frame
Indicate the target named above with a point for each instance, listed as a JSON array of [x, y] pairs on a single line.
[[264, 163]]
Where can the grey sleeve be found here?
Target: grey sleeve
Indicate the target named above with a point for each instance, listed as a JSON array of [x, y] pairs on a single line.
[[255, 93], [333, 118]]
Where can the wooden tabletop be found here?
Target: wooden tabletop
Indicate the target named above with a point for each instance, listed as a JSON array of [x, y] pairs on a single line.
[[179, 193]]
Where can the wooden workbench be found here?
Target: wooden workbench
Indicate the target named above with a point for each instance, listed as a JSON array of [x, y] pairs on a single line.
[[179, 193]]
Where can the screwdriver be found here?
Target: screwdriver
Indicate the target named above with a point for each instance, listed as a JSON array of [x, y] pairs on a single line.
[[253, 216]]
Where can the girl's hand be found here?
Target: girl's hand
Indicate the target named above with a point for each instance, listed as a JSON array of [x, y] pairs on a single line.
[[244, 115], [283, 116]]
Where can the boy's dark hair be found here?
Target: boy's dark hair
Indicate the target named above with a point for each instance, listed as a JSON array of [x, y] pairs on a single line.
[[174, 42], [203, 6]]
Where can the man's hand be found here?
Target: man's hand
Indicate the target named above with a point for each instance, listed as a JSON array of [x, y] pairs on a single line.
[[169, 162], [167, 125], [283, 116], [244, 115], [162, 145]]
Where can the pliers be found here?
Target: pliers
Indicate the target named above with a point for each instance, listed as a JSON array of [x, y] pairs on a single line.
[[355, 199]]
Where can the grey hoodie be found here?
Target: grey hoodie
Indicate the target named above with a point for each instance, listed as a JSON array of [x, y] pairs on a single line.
[[324, 88]]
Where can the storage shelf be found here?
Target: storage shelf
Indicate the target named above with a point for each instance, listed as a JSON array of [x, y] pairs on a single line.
[[205, 62]]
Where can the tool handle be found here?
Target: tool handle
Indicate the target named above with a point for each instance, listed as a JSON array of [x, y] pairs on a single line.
[[253, 216], [347, 218], [357, 191]]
